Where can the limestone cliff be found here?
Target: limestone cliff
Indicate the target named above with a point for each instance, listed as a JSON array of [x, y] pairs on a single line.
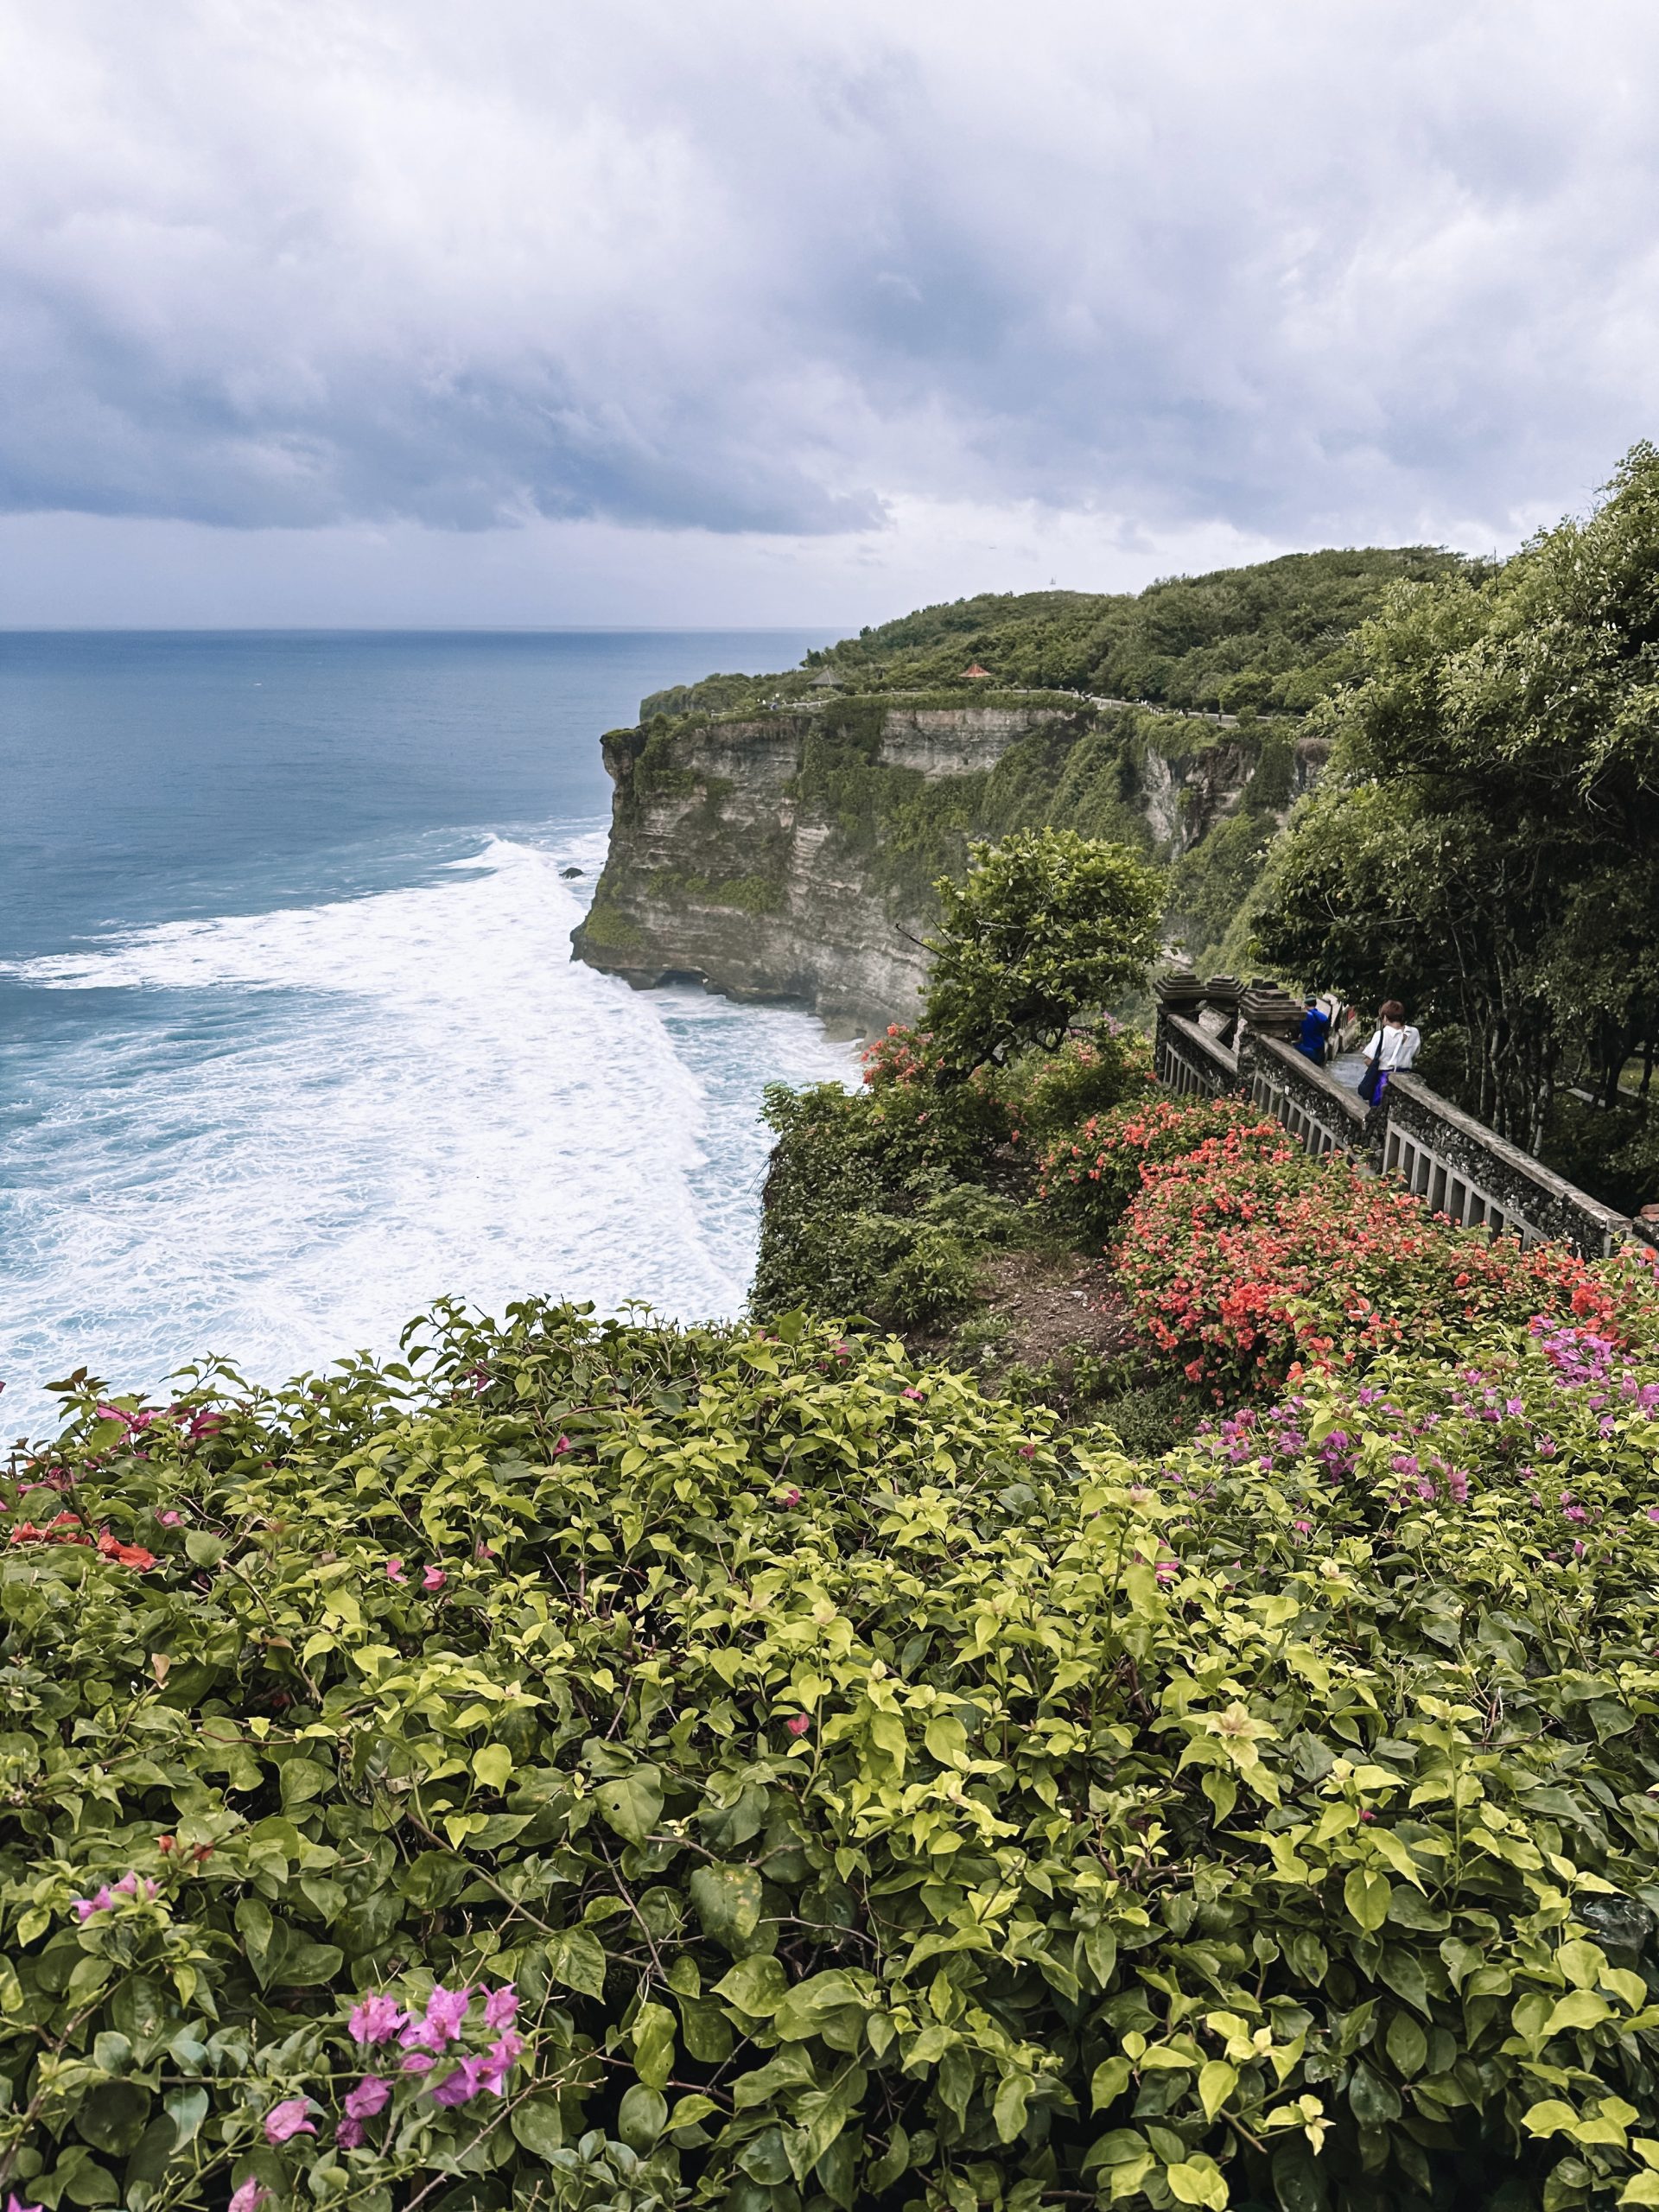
[[789, 854]]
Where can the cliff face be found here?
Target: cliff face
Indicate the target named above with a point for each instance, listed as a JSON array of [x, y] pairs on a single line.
[[789, 854]]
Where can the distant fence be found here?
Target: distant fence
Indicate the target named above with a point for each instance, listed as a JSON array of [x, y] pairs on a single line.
[[1458, 1166]]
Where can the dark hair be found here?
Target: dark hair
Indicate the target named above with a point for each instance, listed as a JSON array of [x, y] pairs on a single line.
[[1391, 1010]]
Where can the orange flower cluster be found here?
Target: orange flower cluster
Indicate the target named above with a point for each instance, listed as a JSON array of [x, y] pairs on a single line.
[[1249, 1268], [65, 1529]]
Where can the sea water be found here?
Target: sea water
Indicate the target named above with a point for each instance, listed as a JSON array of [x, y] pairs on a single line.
[[291, 1041]]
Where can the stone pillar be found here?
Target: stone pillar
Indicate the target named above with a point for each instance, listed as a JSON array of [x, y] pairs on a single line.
[[1180, 991], [1270, 1011], [1221, 995]]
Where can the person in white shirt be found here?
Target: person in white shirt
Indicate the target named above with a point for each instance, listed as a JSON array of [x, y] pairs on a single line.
[[1392, 1049]]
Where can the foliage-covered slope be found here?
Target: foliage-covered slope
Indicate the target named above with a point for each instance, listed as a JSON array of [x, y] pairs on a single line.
[[1274, 636], [628, 1767]]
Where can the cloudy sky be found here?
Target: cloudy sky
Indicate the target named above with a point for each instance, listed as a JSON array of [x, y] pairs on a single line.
[[524, 311]]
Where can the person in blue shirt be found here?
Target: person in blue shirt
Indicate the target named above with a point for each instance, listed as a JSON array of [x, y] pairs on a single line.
[[1315, 1033]]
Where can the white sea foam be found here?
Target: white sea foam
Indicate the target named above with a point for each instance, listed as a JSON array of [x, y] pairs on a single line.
[[352, 1108]]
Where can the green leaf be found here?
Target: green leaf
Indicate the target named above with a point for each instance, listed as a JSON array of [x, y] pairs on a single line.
[[1407, 2046], [1551, 2117], [632, 1803], [1217, 2082], [538, 2124], [727, 1900], [1111, 2078], [653, 2045], [641, 2117], [1298, 2177], [1196, 2181], [756, 1985], [301, 1780], [186, 2109], [576, 1957], [307, 1965], [492, 1766], [1366, 1894], [1009, 2110], [113, 2117], [1580, 2008], [1374, 2101]]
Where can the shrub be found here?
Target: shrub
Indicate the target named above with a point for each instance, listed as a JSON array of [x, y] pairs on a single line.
[[1042, 926], [1087, 1176], [1245, 1267], [850, 1173], [866, 1798], [1087, 1075]]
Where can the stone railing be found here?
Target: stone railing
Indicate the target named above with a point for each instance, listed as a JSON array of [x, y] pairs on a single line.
[[1475, 1179], [1191, 1062], [1313, 1106], [1460, 1167]]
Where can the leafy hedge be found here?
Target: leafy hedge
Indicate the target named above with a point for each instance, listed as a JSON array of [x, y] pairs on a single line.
[[600, 1765]]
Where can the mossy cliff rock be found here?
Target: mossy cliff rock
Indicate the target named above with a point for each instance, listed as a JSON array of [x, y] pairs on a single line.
[[790, 854]]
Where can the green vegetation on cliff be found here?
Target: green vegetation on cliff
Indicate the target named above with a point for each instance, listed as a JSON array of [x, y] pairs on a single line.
[[1273, 637], [1276, 636], [1485, 844]]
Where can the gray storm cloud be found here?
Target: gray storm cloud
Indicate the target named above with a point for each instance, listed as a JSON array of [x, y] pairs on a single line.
[[1385, 269]]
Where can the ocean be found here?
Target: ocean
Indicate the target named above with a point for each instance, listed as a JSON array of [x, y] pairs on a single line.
[[291, 1042]]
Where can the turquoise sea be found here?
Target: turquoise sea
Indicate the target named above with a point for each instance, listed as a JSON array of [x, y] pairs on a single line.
[[290, 1038]]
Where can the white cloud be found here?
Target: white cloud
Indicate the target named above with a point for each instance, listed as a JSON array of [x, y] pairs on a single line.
[[814, 285]]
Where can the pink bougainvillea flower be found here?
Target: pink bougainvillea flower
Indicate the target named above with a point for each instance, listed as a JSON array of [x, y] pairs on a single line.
[[464, 2083], [14, 2203], [288, 2119], [395, 1570], [169, 1519], [503, 2055], [790, 1498], [348, 2132], [434, 1579], [797, 1723], [446, 2011], [369, 2097], [561, 1446], [501, 2007], [376, 2020], [418, 2062], [246, 2197], [909, 1393]]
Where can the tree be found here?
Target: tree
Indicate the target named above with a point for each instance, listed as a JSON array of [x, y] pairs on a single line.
[[1485, 842], [1045, 925]]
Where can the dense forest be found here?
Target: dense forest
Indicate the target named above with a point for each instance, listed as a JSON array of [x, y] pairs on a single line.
[[1274, 638]]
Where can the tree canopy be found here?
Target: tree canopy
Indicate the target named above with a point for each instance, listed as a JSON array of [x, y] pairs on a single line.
[[1042, 926], [1485, 843]]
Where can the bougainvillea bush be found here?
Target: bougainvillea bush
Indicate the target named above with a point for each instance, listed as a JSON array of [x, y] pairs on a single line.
[[1245, 1260], [1088, 1176], [592, 1765]]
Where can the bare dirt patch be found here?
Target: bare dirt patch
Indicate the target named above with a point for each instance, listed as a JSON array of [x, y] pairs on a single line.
[[1056, 1307]]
